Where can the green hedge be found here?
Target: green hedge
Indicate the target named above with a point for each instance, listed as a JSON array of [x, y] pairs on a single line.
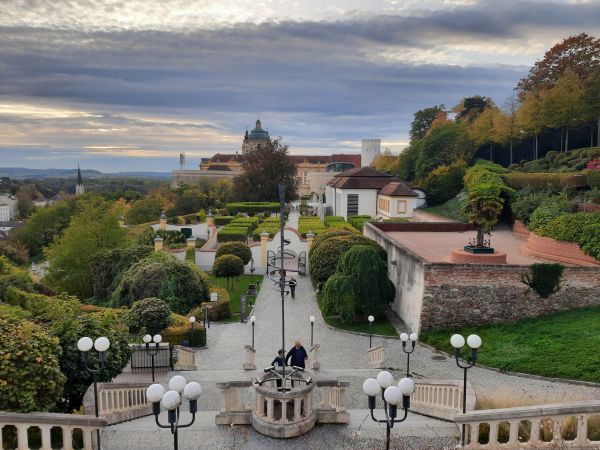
[[548, 210], [252, 207], [272, 230], [46, 309], [554, 181], [250, 222], [180, 331], [223, 220], [310, 223], [581, 228], [232, 234], [358, 222], [219, 310]]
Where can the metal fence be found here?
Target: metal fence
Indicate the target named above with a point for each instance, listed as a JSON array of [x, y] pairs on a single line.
[[141, 360]]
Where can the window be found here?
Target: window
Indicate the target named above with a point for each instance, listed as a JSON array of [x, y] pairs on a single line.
[[383, 204], [352, 206], [401, 206]]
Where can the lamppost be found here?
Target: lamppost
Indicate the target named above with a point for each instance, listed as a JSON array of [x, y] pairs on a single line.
[[391, 396], [371, 319], [312, 329], [252, 269], [413, 340], [192, 323], [206, 318], [253, 319], [157, 338], [458, 342], [171, 400], [84, 345]]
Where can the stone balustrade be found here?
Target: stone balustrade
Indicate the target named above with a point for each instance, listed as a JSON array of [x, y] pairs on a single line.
[[566, 425], [185, 357], [233, 409], [249, 363], [376, 356], [332, 408], [45, 422], [118, 402], [313, 364], [441, 399]]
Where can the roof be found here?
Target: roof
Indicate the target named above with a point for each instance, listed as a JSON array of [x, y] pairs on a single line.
[[258, 133], [219, 167], [398, 188], [353, 158], [312, 159], [361, 178], [226, 157]]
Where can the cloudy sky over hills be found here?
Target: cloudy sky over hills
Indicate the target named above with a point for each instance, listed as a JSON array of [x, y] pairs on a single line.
[[128, 84]]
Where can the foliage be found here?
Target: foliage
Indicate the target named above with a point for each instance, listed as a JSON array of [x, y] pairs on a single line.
[[170, 237], [471, 107], [526, 203], [228, 266], [189, 201], [358, 222], [553, 181], [329, 233], [93, 228], [250, 222], [219, 310], [548, 210], [593, 178], [235, 248], [145, 210], [180, 331], [252, 207], [30, 376], [15, 251], [324, 258], [190, 254], [149, 315], [222, 220], [359, 286], [581, 228], [107, 268], [45, 308], [544, 279], [94, 325], [444, 183], [422, 121], [453, 208], [161, 275], [231, 234], [263, 169], [234, 294], [308, 224]]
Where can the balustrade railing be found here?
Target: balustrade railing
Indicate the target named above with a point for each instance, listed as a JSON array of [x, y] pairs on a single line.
[[185, 358], [376, 356], [441, 399], [118, 402], [332, 408], [313, 363]]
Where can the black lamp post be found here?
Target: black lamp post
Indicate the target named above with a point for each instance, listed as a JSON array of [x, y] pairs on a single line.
[[252, 269], [84, 345], [391, 396], [312, 330], [408, 349], [371, 319], [253, 320], [192, 323], [156, 339], [171, 400], [458, 342], [206, 318]]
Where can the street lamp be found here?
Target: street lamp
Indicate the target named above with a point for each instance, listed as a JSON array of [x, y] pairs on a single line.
[[391, 396], [371, 319], [458, 342], [252, 320], [84, 345], [171, 401], [312, 329], [157, 338], [252, 269], [206, 318], [413, 340], [192, 323]]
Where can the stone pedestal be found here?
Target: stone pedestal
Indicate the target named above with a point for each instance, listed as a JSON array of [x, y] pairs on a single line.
[[312, 358], [162, 222], [158, 244], [459, 256], [191, 243], [249, 363], [264, 238]]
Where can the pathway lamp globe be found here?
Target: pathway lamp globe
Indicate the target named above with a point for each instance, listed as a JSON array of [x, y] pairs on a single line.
[[371, 319], [157, 338], [171, 400], [147, 339], [177, 384], [102, 344], [85, 344], [414, 337], [385, 379]]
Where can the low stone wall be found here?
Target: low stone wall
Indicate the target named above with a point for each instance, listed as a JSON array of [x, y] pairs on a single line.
[[561, 251]]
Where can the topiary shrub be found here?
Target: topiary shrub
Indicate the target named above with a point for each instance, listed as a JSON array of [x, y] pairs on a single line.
[[544, 279], [444, 183], [222, 220], [328, 234], [30, 376], [162, 275], [548, 210], [359, 286], [231, 234], [228, 266], [526, 203], [149, 315], [324, 259], [235, 248]]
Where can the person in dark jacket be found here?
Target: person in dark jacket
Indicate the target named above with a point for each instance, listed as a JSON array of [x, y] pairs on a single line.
[[293, 284], [298, 355], [278, 361]]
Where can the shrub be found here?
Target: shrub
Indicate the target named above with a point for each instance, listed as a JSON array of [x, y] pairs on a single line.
[[149, 315], [310, 223], [43, 307], [359, 285], [549, 209], [252, 207], [324, 259], [15, 251], [200, 242], [330, 233], [554, 181], [219, 310], [358, 222], [169, 237], [543, 278], [222, 220], [30, 374], [581, 228], [524, 205], [235, 248], [161, 275], [180, 329], [228, 266], [592, 177], [190, 254], [232, 234], [444, 183], [250, 222]]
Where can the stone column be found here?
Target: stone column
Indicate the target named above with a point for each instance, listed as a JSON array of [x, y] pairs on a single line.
[[191, 243], [310, 237], [162, 221], [158, 244], [264, 237], [121, 221]]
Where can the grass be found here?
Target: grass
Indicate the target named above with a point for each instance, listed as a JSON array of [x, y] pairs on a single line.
[[381, 326], [240, 287], [562, 345]]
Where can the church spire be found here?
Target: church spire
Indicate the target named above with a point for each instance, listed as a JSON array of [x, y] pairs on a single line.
[[79, 189]]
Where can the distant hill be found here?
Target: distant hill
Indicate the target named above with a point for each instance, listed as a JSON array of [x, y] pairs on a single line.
[[21, 173]]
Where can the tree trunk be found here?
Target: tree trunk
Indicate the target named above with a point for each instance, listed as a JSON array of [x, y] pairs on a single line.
[[567, 141], [491, 153], [562, 136], [536, 147], [480, 236], [591, 134], [511, 151]]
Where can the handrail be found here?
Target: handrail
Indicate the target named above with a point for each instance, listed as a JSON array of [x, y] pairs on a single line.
[[441, 399], [118, 402]]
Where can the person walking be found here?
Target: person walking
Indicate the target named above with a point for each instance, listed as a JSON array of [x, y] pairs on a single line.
[[293, 284], [279, 360], [297, 354]]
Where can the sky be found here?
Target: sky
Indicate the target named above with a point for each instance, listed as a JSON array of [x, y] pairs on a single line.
[[126, 85]]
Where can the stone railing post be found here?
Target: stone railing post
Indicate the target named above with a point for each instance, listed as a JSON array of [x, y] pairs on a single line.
[[162, 222], [312, 358], [233, 410], [376, 355], [264, 237], [191, 242], [158, 245], [249, 363], [332, 408], [121, 221], [310, 237]]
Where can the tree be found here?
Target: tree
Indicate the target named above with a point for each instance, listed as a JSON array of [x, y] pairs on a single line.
[[190, 201], [384, 161], [591, 102], [489, 128], [422, 121], [235, 248], [530, 117], [94, 228], [470, 107], [263, 169], [510, 110], [149, 315], [440, 119], [145, 210], [563, 104], [25, 205], [444, 183], [580, 53], [228, 266], [483, 208]]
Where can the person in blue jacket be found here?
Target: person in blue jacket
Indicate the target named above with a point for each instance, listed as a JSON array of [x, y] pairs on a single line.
[[279, 361], [297, 354]]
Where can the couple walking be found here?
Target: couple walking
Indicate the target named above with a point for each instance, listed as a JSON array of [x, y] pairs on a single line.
[[297, 354]]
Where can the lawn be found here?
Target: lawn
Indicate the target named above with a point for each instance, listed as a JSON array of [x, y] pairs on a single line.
[[563, 345], [382, 326], [240, 287]]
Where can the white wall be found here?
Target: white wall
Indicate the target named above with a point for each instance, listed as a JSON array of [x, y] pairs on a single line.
[[367, 202], [370, 148], [12, 203], [4, 213]]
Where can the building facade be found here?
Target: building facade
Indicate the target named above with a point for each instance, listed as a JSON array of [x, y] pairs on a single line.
[[10, 204]]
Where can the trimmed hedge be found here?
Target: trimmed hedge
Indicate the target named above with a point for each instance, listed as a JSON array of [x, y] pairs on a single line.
[[45, 309], [235, 248], [582, 228], [222, 220], [307, 224], [232, 234], [179, 331], [548, 210], [250, 222], [358, 222], [252, 207], [554, 181], [524, 205]]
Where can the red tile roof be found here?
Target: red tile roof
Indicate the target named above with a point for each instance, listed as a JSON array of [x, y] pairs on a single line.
[[399, 189], [361, 178]]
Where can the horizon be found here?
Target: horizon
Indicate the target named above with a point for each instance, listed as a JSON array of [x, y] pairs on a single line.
[[132, 84]]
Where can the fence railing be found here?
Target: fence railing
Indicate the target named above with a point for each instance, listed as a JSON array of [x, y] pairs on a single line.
[[185, 358], [118, 402], [567, 425], [332, 408], [441, 399], [141, 361], [376, 356], [41, 430]]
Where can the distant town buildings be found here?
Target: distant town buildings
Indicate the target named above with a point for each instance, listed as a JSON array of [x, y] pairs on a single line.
[[8, 207]]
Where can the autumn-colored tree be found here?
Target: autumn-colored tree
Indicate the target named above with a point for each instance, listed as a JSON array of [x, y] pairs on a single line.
[[581, 53], [490, 128], [591, 103], [563, 104], [470, 107], [422, 121], [530, 117], [385, 160], [512, 126], [440, 120]]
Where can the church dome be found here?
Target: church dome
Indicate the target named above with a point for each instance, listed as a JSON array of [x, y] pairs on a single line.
[[258, 133]]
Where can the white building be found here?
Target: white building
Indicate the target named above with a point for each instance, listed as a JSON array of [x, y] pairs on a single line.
[[369, 150], [370, 192], [4, 212], [12, 203]]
